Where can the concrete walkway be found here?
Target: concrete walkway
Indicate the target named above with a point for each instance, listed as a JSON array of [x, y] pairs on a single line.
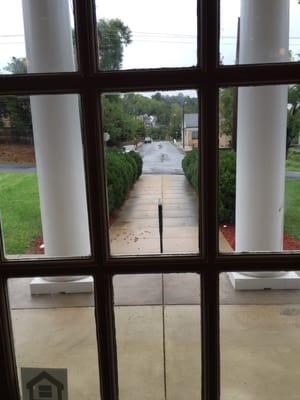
[[135, 231], [158, 327]]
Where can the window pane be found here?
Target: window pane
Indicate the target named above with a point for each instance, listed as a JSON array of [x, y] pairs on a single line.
[[255, 32], [55, 331], [259, 169], [260, 336], [158, 336], [137, 34], [42, 199], [152, 171], [37, 36]]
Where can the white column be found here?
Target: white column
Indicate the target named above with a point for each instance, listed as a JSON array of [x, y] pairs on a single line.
[[57, 132], [261, 131]]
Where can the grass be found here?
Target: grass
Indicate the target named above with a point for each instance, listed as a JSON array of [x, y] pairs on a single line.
[[292, 208], [20, 211], [293, 160]]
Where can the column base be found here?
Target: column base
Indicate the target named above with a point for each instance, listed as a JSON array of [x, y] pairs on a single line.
[[41, 286], [290, 280]]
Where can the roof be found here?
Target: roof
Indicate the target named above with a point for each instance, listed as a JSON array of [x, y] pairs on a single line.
[[191, 120], [45, 375]]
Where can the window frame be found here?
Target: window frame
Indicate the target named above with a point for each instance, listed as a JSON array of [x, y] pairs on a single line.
[[89, 83]]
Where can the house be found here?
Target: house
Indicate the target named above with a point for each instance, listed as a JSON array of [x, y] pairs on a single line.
[[189, 132], [45, 386], [149, 120], [190, 139]]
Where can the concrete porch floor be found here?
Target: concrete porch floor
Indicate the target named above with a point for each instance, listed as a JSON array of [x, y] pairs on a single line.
[[260, 341]]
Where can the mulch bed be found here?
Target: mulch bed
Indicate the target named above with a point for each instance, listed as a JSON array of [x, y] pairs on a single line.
[[289, 243], [16, 153], [37, 246]]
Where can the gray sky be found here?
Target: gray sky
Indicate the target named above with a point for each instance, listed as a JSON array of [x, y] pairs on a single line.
[[164, 31]]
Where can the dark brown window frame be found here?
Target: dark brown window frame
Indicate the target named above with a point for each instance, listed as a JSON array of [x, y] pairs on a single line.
[[207, 78]]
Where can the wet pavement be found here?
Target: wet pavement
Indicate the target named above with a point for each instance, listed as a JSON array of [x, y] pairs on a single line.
[[135, 231], [161, 158]]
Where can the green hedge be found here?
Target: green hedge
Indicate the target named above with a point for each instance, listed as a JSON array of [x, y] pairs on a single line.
[[227, 163], [226, 180], [190, 167], [123, 169]]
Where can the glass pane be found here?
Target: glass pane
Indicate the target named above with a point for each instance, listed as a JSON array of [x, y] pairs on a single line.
[[259, 332], [152, 171], [42, 198], [37, 36], [259, 169], [158, 336], [255, 32], [137, 34], [55, 330]]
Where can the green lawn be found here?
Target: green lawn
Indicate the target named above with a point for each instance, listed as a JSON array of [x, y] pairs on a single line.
[[293, 160], [20, 211], [292, 208]]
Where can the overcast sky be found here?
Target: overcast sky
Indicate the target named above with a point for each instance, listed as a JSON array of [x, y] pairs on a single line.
[[164, 31]]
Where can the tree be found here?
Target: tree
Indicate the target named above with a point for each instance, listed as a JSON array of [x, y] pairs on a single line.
[[226, 111], [17, 108], [17, 66], [113, 35], [121, 126], [293, 117], [293, 113]]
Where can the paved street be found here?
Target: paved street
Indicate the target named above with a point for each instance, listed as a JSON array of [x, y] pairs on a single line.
[[161, 158], [292, 174], [12, 167]]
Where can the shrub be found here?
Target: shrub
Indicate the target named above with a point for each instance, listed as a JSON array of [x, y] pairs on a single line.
[[122, 171], [190, 167], [227, 169], [226, 180], [139, 162]]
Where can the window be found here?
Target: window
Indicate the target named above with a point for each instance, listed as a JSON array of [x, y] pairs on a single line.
[[194, 134], [89, 83]]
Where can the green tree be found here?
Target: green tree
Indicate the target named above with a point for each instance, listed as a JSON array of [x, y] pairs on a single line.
[[293, 113], [226, 111], [121, 126], [293, 117], [17, 108], [113, 35], [17, 66]]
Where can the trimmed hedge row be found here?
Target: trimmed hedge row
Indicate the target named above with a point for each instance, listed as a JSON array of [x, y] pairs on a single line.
[[227, 168], [123, 169], [190, 168]]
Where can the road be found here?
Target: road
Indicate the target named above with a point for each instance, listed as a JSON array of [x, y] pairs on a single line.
[[292, 174], [161, 158], [10, 167]]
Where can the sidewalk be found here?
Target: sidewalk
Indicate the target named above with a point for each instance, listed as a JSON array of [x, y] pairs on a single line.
[[136, 231], [158, 317]]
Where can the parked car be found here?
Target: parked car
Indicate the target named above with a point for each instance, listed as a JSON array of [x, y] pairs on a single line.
[[128, 148], [148, 139]]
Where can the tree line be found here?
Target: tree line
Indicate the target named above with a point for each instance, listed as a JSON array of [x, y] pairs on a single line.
[[122, 114], [227, 110]]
